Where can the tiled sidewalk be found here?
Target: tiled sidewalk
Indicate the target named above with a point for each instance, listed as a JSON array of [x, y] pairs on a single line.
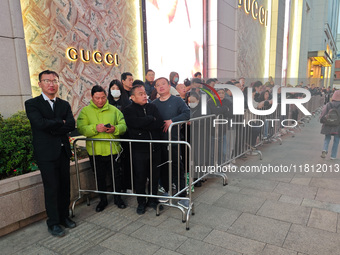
[[274, 214]]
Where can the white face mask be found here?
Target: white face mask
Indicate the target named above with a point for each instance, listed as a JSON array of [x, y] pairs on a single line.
[[193, 105], [115, 93]]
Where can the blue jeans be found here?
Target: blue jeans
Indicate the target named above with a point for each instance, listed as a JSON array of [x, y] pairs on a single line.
[[335, 144]]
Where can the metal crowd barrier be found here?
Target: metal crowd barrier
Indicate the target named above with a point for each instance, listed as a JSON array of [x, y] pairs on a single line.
[[314, 106], [199, 132], [171, 197]]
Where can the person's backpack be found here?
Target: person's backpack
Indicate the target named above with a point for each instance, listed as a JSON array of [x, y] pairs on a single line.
[[332, 118]]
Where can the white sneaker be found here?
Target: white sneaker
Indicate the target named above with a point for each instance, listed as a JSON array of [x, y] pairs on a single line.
[[332, 158], [323, 154], [164, 200]]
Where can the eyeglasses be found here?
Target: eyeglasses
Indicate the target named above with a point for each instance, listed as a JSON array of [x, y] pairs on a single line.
[[49, 81]]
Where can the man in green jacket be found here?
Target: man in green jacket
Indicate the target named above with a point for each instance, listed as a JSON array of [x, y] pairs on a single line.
[[101, 120]]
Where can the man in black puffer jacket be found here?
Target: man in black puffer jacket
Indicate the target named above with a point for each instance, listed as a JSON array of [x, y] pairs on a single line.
[[144, 122]]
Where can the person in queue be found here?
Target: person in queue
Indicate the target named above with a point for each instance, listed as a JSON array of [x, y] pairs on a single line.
[[101, 120], [144, 122], [149, 81], [127, 80], [172, 109], [117, 95]]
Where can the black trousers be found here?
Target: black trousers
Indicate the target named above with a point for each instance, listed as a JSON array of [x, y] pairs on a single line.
[[56, 180], [177, 163], [141, 171], [104, 169]]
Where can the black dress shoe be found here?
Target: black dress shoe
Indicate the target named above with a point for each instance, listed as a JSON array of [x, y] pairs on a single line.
[[119, 202], [101, 206], [56, 230], [68, 223], [141, 208], [198, 184]]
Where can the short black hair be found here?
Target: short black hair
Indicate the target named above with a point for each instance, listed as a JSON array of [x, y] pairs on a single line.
[[210, 81], [197, 74], [196, 80], [257, 84], [136, 87], [160, 78], [149, 70], [125, 75], [48, 72], [194, 94], [187, 82], [97, 88], [138, 82]]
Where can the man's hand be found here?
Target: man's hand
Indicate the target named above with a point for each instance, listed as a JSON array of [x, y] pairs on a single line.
[[101, 128], [110, 130], [166, 125]]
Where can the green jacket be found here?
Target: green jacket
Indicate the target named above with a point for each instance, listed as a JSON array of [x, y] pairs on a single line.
[[90, 116]]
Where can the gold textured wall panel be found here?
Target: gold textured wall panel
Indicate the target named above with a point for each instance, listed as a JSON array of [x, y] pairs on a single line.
[[51, 26]]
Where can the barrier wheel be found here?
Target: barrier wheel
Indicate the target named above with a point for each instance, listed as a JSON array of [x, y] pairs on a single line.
[[183, 221], [187, 228], [157, 214]]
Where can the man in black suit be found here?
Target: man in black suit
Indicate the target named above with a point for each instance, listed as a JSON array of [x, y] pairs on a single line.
[[51, 120]]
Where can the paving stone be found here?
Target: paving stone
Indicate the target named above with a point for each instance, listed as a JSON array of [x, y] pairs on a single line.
[[216, 183], [312, 241], [132, 227], [260, 228], [151, 219], [326, 183], [110, 252], [328, 195], [97, 250], [323, 219], [275, 250], [234, 243], [34, 250], [261, 194], [321, 205], [67, 245], [279, 177], [285, 212], [295, 190], [113, 220], [196, 247], [160, 237], [163, 251], [197, 231], [240, 202], [258, 184], [214, 216], [90, 232], [300, 180], [291, 200], [27, 236], [128, 245], [210, 196]]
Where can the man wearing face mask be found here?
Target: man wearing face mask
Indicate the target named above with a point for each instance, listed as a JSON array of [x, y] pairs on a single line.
[[117, 95]]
